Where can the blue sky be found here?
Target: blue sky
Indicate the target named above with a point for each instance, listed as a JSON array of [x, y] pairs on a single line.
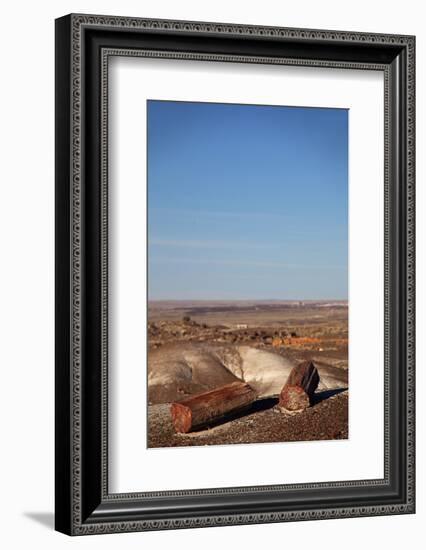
[[247, 202]]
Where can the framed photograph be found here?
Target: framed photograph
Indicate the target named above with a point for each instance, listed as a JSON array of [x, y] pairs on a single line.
[[234, 274]]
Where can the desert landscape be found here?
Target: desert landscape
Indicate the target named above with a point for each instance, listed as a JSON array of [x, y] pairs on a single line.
[[223, 372], [247, 273]]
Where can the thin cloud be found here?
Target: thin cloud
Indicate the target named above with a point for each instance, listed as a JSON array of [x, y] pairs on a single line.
[[182, 243], [225, 214], [244, 263]]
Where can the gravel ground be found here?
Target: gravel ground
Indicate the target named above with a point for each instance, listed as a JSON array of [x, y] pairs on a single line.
[[264, 423]]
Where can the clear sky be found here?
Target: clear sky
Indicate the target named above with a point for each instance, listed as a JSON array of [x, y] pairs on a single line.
[[247, 202]]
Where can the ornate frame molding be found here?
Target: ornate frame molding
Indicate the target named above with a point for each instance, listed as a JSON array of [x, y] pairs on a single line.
[[73, 48]]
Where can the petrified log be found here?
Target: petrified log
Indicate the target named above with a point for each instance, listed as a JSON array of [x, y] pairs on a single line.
[[299, 389], [206, 408]]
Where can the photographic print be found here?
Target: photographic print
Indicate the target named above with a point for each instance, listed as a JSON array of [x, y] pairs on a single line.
[[247, 273]]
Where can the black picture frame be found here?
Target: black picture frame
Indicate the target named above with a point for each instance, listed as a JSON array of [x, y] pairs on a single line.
[[83, 45]]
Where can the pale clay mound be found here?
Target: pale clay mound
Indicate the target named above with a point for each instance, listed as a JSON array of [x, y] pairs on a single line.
[[176, 371]]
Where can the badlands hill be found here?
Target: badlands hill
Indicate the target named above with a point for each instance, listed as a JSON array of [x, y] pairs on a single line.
[[176, 371]]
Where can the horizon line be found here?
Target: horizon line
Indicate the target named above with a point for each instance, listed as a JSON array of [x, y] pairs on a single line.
[[248, 299]]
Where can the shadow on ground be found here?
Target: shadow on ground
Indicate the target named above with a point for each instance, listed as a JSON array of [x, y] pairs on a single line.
[[326, 394], [47, 519]]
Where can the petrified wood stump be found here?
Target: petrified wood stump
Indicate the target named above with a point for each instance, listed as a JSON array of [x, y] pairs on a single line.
[[206, 408], [299, 389]]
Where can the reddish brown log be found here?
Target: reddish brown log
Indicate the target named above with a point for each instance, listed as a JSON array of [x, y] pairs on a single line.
[[300, 387], [206, 408]]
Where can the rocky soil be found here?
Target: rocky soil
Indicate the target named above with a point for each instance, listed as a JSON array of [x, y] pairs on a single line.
[[326, 419]]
